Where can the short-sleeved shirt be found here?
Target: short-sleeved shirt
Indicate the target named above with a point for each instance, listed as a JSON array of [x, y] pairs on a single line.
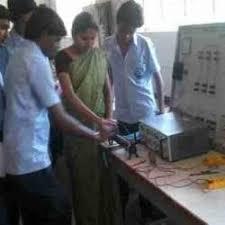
[[30, 91], [132, 78], [13, 42]]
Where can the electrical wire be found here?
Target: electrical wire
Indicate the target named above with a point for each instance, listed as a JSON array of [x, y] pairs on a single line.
[[167, 173], [180, 167]]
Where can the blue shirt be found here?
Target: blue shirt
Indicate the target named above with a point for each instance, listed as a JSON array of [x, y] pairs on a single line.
[[30, 91], [13, 42], [4, 57], [132, 78], [2, 102]]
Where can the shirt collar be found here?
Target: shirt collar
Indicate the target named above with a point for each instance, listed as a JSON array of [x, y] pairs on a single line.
[[14, 34], [38, 49], [35, 47], [135, 39]]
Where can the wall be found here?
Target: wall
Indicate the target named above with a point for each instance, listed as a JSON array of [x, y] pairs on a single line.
[[3, 2], [165, 43], [101, 1]]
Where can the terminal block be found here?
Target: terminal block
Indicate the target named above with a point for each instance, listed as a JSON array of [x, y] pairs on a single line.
[[214, 160], [215, 183]]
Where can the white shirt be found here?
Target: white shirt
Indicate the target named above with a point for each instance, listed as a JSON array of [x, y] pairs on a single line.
[[30, 91], [132, 78]]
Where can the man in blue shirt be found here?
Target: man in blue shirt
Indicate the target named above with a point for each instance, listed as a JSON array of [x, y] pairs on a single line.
[[31, 95], [4, 27], [133, 67], [20, 12]]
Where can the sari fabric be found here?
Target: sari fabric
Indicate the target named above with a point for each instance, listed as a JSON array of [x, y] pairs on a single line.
[[92, 195]]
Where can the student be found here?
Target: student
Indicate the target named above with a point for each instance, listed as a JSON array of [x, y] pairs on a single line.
[[82, 71], [4, 27], [30, 95], [20, 13], [133, 65]]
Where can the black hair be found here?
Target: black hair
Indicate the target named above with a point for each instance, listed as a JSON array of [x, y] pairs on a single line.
[[82, 22], [4, 13], [46, 20], [19, 7], [130, 13]]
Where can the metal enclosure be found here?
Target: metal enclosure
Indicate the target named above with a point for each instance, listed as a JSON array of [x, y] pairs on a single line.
[[175, 137]]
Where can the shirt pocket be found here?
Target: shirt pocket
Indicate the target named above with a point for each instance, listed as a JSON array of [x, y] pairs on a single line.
[[140, 69]]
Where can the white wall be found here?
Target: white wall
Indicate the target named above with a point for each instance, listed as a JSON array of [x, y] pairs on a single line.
[[165, 43], [3, 2], [40, 2], [101, 1]]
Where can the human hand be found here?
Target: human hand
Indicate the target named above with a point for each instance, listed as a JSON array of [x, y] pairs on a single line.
[[107, 122], [108, 128]]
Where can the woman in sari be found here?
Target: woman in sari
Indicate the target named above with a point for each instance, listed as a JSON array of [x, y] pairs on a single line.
[[82, 72]]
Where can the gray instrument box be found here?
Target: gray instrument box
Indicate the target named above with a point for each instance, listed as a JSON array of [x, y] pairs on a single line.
[[175, 137]]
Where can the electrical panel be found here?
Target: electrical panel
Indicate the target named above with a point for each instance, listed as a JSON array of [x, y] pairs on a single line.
[[199, 77]]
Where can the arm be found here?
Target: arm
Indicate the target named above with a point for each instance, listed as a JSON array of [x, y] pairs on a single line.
[[69, 124], [159, 90], [108, 98], [72, 98], [43, 87]]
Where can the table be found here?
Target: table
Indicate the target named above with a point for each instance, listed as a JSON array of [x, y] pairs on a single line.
[[171, 188]]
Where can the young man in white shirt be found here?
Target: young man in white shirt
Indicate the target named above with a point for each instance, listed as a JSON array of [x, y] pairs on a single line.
[[133, 66], [20, 12], [30, 96]]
